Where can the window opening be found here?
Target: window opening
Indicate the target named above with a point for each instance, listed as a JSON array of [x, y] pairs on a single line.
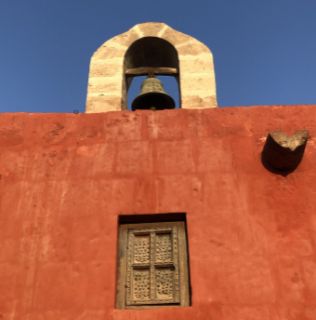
[[153, 265]]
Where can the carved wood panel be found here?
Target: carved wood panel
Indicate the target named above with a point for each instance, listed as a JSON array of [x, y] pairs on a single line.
[[152, 265]]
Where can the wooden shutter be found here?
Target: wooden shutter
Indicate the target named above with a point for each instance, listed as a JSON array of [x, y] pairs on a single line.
[[152, 265]]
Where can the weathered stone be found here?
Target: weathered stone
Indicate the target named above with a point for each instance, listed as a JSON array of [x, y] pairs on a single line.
[[151, 29], [126, 38], [282, 152], [197, 102], [196, 83], [194, 59], [202, 66], [177, 38], [193, 48], [104, 103], [104, 87], [108, 52], [105, 70]]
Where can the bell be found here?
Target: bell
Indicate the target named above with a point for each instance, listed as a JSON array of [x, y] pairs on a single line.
[[152, 96]]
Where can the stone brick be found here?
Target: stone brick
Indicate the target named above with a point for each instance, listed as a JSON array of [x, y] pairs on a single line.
[[126, 38], [104, 69], [195, 48], [101, 103], [151, 29], [104, 85], [176, 37], [108, 51], [197, 102]]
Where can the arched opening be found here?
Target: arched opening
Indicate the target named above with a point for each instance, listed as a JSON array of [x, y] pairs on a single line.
[[156, 58], [151, 52]]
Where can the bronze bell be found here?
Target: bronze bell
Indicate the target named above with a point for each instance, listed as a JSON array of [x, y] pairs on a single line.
[[152, 96]]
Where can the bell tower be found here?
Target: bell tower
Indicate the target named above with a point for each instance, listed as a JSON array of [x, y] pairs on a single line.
[[151, 56], [151, 49]]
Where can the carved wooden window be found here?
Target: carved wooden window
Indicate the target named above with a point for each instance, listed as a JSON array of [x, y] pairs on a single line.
[[152, 265]]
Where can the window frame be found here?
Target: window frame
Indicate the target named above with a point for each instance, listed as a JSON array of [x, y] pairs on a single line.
[[180, 264]]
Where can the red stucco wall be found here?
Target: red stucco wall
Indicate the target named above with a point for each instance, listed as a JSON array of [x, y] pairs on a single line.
[[65, 178]]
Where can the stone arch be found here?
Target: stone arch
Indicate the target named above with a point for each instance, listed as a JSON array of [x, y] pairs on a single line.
[[107, 84], [151, 52], [150, 56]]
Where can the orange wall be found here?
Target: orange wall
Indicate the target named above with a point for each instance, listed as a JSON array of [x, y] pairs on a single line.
[[65, 178]]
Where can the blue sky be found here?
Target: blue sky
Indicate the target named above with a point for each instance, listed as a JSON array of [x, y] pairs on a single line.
[[264, 50]]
